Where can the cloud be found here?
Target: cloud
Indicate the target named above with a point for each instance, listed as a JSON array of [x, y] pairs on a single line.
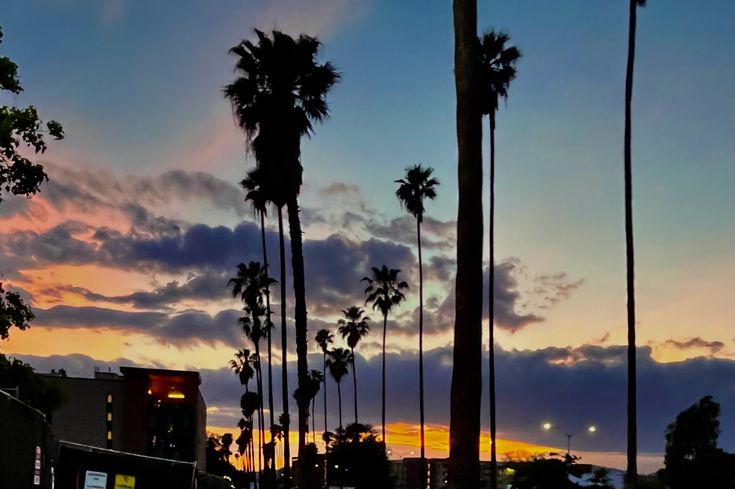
[[435, 234], [532, 386], [694, 343], [321, 17]]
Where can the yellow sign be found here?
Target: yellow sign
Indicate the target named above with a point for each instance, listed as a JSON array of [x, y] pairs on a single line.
[[124, 481]]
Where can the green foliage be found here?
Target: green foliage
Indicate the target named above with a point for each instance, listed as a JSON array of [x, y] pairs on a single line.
[[692, 458], [13, 312], [543, 473], [360, 457], [21, 127], [39, 392]]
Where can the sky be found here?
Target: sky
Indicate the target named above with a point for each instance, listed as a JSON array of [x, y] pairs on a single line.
[[126, 251]]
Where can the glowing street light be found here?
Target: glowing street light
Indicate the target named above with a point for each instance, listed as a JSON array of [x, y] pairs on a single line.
[[548, 427]]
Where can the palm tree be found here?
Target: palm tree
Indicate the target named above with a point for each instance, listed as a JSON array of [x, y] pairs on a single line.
[[497, 70], [317, 378], [384, 291], [337, 363], [256, 193], [464, 429], [279, 92], [251, 284], [353, 327], [243, 366], [414, 188], [632, 452], [324, 338]]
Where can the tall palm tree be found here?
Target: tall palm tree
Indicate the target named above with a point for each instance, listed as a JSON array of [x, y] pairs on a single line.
[[317, 378], [256, 193], [353, 327], [324, 338], [384, 291], [466, 390], [338, 363], [251, 284], [279, 92], [243, 366], [497, 70], [414, 188], [632, 452]]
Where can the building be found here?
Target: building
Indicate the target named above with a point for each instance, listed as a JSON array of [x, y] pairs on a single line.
[[153, 412], [405, 473]]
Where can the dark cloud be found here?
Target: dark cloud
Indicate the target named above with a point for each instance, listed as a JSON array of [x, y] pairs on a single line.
[[533, 386], [181, 329], [435, 234], [696, 343]]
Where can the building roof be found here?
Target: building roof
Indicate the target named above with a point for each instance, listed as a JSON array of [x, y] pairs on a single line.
[[142, 372]]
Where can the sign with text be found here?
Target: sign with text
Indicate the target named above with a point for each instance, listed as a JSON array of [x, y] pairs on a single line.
[[95, 480], [123, 481]]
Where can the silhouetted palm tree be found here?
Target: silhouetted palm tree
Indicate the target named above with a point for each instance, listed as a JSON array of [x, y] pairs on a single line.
[[337, 363], [317, 378], [464, 428], [243, 366], [384, 291], [251, 284], [632, 452], [497, 70], [256, 193], [279, 92], [414, 188], [324, 338], [353, 327]]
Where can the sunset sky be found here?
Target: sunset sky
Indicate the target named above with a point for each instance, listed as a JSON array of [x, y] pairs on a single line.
[[125, 253]]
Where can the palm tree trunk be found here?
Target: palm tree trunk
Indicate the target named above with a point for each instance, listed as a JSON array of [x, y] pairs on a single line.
[[354, 380], [271, 475], [491, 313], [385, 328], [422, 465], [302, 367], [261, 420], [324, 374], [632, 452], [339, 401], [284, 354], [313, 421], [466, 390], [268, 316]]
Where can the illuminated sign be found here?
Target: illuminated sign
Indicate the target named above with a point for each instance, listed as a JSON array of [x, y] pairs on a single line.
[[123, 481], [95, 480]]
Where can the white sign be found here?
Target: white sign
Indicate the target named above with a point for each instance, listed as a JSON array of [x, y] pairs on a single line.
[[95, 480]]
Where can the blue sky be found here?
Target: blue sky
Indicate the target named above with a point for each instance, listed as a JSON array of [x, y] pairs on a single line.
[[137, 86]]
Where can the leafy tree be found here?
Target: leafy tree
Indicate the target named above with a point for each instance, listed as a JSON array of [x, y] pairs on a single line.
[[35, 390], [692, 458], [543, 473], [357, 458], [279, 93], [337, 363], [417, 186], [384, 291], [21, 127], [497, 70], [632, 448], [13, 312], [466, 388], [324, 338], [353, 327]]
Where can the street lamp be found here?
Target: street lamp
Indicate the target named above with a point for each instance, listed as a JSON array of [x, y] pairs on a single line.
[[548, 427]]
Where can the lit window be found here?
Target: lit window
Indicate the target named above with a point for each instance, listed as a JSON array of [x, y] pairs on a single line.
[[109, 398], [109, 435], [109, 416]]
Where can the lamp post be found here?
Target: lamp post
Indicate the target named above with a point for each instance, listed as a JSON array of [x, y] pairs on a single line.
[[548, 427]]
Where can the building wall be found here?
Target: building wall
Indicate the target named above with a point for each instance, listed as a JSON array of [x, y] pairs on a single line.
[[83, 419]]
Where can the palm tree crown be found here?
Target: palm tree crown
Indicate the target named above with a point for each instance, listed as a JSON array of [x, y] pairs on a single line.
[[280, 90], [354, 326], [338, 362], [384, 289], [415, 187], [497, 68], [324, 338]]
